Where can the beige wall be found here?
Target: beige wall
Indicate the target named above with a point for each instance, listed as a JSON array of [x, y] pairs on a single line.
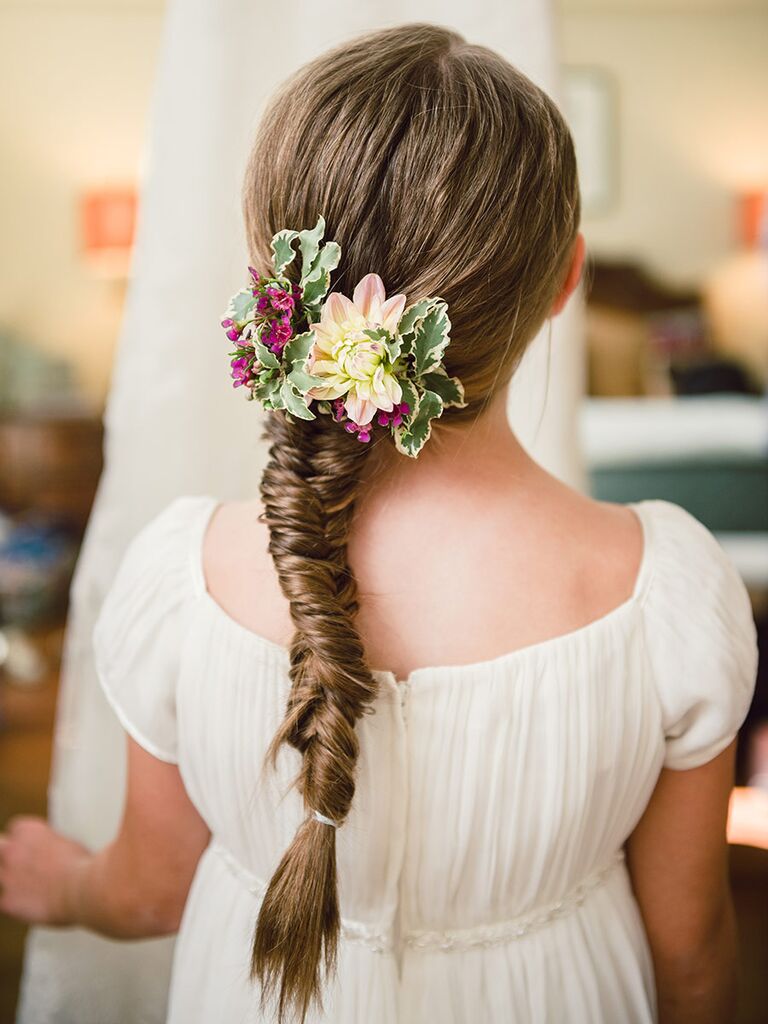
[[76, 83], [76, 80], [692, 91]]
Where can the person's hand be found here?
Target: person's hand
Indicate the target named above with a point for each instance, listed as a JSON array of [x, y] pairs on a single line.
[[39, 872]]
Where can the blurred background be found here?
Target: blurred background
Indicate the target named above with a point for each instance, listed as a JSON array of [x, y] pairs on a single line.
[[668, 103]]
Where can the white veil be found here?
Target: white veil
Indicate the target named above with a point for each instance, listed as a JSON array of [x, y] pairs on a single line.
[[172, 415]]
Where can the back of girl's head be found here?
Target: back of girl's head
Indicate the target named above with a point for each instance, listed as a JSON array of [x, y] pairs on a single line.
[[439, 166]]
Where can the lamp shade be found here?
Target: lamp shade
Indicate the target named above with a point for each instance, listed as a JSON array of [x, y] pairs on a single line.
[[754, 218], [107, 226]]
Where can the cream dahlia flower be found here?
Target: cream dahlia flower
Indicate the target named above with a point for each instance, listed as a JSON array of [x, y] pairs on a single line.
[[351, 363]]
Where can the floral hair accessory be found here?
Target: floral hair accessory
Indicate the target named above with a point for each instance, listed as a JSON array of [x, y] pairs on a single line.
[[368, 361]]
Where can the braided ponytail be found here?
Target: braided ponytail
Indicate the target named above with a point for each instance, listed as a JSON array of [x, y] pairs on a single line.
[[308, 489]]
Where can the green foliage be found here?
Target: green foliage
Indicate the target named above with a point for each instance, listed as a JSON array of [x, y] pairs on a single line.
[[309, 246], [283, 252], [266, 387], [431, 338], [450, 389], [410, 394], [411, 436], [265, 356], [298, 348], [317, 279], [414, 313], [303, 381], [241, 306], [390, 343], [295, 403]]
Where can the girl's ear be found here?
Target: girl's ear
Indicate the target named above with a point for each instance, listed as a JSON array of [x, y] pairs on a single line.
[[574, 275]]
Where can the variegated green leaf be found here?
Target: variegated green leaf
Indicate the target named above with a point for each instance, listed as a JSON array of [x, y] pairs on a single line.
[[309, 244], [265, 356], [304, 381], [417, 311], [276, 396], [410, 394], [381, 334], [414, 434], [298, 348], [240, 306], [282, 249], [394, 346], [318, 279], [295, 403], [450, 389], [376, 333], [431, 340], [265, 388]]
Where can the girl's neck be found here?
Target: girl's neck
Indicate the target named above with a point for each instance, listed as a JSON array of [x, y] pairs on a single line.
[[472, 451]]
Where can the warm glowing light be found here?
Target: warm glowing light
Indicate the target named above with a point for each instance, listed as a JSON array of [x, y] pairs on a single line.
[[107, 222], [754, 217]]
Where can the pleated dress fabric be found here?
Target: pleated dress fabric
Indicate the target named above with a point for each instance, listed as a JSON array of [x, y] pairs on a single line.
[[481, 868]]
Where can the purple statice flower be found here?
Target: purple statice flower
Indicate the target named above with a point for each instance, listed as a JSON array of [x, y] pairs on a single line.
[[242, 371], [279, 332], [363, 430], [270, 321], [231, 328], [280, 299], [395, 417]]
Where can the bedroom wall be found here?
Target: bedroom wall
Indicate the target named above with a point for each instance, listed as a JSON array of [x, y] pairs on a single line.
[[76, 81], [692, 91], [76, 78]]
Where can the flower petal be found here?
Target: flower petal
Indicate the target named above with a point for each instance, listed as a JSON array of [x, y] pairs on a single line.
[[359, 409], [368, 296], [334, 310], [352, 312], [324, 367], [391, 311], [392, 388], [329, 391]]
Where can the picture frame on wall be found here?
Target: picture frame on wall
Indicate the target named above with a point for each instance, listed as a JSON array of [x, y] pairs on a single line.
[[590, 105]]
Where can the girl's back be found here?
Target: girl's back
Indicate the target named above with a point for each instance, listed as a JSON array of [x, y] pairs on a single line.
[[474, 553], [482, 866]]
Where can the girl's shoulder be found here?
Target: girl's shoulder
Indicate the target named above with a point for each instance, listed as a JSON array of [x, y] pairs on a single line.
[[139, 631], [700, 633]]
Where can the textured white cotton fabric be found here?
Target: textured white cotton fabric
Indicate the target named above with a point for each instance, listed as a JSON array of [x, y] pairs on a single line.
[[481, 869]]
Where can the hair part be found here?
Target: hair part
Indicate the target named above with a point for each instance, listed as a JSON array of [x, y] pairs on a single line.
[[444, 169]]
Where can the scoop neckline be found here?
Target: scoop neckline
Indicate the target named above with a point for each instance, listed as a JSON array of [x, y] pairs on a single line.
[[430, 671]]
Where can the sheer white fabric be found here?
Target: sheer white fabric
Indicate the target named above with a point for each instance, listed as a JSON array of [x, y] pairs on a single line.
[[481, 868], [172, 415]]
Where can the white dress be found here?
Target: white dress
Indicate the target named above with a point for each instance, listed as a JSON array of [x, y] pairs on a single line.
[[481, 871]]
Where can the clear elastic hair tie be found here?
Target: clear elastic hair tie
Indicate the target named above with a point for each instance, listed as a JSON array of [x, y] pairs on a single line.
[[324, 819]]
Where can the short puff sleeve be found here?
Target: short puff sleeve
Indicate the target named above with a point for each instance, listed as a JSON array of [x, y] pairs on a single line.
[[701, 637], [139, 632]]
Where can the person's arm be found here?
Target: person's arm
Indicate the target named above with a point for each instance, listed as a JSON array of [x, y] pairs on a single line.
[[135, 887], [678, 861]]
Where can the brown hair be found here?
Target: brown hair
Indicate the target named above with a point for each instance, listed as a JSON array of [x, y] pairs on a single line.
[[445, 170]]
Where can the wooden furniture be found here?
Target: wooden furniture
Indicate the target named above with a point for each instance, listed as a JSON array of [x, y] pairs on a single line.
[[50, 464]]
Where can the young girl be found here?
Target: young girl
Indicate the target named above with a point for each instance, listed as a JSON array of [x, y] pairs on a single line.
[[519, 813]]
